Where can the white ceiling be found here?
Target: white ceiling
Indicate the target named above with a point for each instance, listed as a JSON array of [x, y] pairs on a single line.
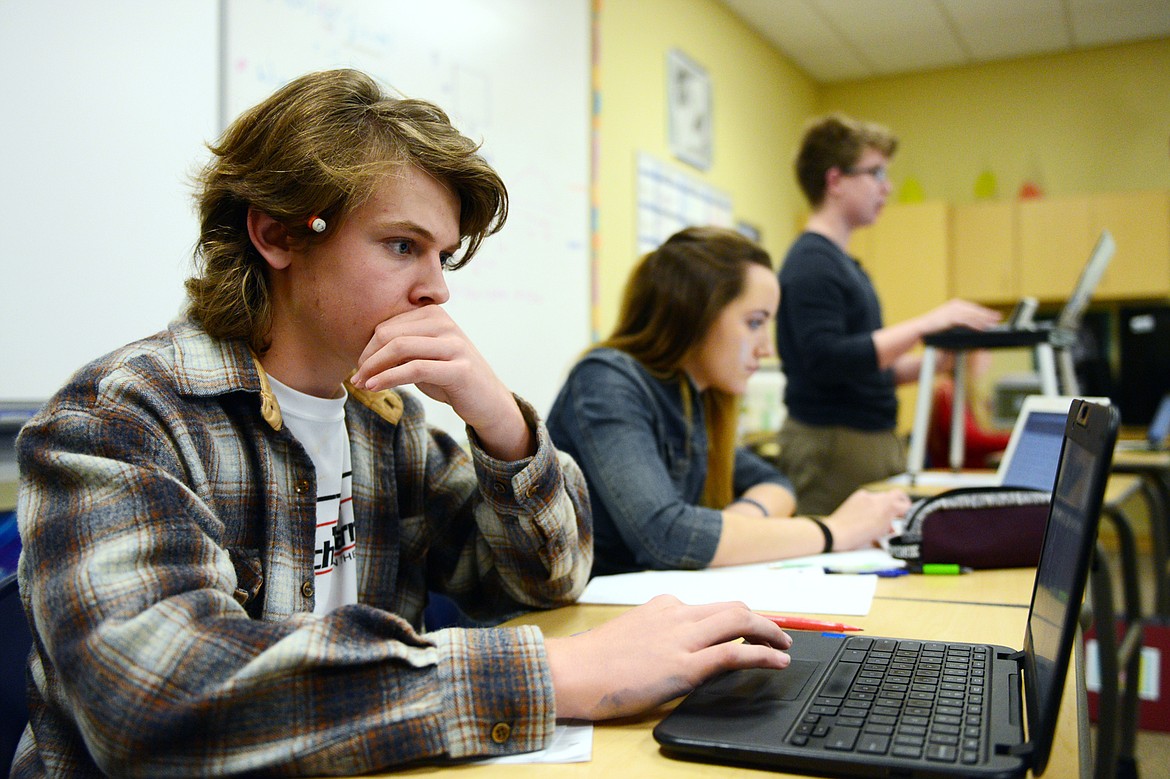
[[845, 40]]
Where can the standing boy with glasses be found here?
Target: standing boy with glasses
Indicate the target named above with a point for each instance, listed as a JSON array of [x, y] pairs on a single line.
[[841, 362]]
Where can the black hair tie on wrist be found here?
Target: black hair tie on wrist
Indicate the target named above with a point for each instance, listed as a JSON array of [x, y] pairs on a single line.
[[824, 529], [763, 509]]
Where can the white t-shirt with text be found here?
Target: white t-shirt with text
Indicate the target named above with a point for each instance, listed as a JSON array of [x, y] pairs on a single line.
[[319, 425]]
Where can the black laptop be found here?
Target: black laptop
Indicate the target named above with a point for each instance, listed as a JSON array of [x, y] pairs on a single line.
[[1156, 434], [869, 706]]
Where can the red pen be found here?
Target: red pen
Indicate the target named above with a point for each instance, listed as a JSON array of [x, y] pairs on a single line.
[[801, 623]]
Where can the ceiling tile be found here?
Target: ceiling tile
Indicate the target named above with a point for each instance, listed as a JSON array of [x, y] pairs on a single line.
[[1008, 29], [800, 32], [844, 40], [894, 35], [1103, 22]]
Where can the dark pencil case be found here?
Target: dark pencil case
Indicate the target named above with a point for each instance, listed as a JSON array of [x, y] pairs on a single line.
[[979, 527]]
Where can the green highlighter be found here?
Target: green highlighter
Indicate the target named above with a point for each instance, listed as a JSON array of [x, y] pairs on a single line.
[[939, 569]]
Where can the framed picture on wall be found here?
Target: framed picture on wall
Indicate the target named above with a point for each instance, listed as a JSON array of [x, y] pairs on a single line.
[[688, 90]]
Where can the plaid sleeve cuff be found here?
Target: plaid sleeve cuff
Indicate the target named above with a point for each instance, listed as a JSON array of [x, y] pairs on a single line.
[[498, 694], [523, 486]]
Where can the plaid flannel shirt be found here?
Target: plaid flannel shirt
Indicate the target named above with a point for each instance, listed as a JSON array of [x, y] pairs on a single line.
[[167, 520]]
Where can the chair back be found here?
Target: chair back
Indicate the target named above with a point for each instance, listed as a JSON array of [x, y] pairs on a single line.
[[15, 643]]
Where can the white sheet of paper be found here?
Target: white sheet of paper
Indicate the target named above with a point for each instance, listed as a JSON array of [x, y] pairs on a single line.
[[572, 742], [859, 560], [799, 585]]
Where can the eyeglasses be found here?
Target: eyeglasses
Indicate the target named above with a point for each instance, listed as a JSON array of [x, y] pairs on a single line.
[[879, 172]]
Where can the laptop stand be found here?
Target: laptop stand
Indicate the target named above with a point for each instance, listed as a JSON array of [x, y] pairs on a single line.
[[1048, 346]]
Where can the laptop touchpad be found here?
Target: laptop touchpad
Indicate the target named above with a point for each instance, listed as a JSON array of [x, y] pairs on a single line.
[[758, 685]]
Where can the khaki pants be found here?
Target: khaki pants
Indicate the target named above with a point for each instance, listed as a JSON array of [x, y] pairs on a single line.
[[827, 464]]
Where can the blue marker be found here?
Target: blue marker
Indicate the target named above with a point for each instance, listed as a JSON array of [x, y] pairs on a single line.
[[883, 572]]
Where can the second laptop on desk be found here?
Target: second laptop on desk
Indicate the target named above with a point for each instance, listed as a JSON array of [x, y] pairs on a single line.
[[1156, 434], [1029, 460]]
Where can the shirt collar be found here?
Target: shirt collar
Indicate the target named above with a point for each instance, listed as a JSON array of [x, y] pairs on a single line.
[[207, 366]]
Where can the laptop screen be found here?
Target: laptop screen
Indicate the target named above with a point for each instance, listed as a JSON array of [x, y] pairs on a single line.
[[1070, 315], [1160, 424], [1060, 576], [1037, 453]]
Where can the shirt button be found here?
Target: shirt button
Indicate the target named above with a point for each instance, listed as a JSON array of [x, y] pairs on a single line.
[[499, 488], [501, 732], [307, 589], [302, 486]]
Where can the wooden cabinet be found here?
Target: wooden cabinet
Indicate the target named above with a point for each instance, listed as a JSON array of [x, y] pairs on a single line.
[[1001, 251], [983, 252], [994, 252], [905, 253], [1053, 243], [1140, 223]]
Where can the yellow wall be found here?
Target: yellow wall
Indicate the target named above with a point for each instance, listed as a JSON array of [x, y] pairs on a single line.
[[1089, 121], [1084, 122], [760, 104]]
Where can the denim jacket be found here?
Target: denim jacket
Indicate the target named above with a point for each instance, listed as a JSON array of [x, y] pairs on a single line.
[[644, 463]]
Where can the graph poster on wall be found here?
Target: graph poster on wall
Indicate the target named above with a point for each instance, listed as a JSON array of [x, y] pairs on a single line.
[[670, 199]]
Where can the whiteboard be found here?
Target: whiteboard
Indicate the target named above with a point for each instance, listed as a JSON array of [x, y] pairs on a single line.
[[513, 74], [106, 109], [113, 224]]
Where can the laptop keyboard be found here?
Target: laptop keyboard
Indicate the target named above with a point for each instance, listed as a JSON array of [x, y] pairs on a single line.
[[911, 699]]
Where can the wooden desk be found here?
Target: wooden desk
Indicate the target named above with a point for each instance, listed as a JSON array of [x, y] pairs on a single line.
[[627, 747], [1007, 587]]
